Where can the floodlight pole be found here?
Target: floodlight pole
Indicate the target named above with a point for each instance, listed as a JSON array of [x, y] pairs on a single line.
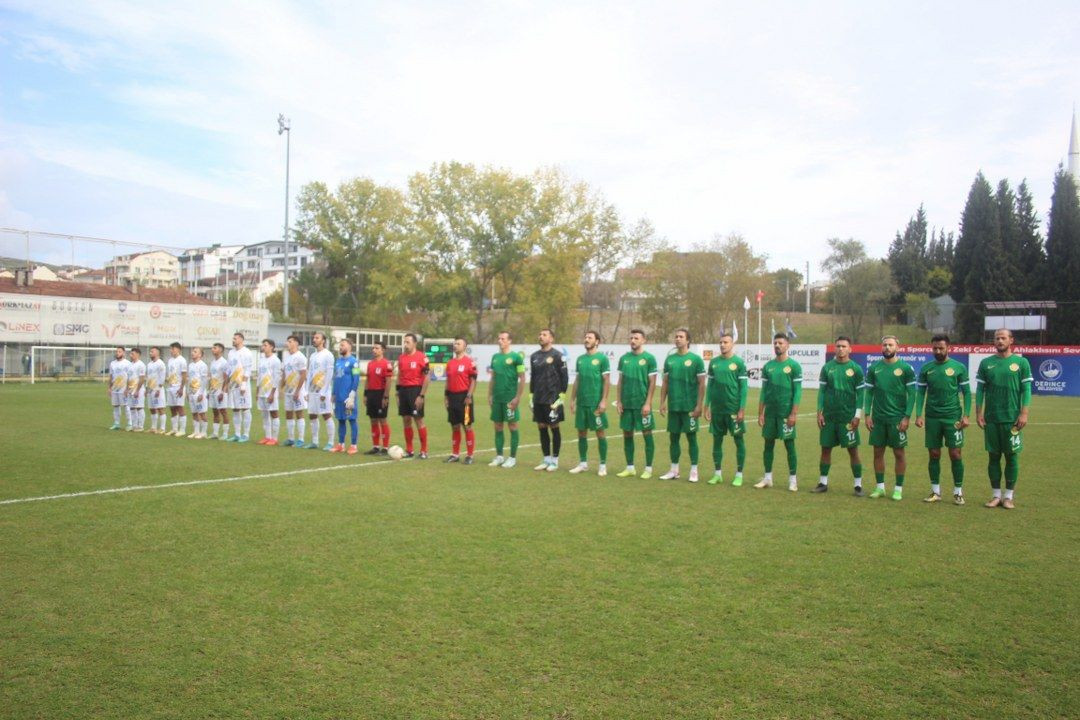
[[285, 126]]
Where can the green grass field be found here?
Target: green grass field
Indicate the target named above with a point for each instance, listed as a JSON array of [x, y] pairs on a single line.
[[410, 590]]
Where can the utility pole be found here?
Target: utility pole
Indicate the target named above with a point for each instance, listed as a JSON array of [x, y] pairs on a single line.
[[285, 126]]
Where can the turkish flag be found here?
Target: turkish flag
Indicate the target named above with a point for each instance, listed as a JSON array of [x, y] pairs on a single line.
[[760, 294]]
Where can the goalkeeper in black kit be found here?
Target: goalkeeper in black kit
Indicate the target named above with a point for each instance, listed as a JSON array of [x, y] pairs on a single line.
[[548, 380]]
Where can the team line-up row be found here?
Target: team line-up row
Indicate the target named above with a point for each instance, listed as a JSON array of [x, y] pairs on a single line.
[[320, 389]]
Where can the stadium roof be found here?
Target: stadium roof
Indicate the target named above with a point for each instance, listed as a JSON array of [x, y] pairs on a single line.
[[97, 291]]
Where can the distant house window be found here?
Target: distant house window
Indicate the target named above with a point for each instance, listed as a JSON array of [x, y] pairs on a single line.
[[277, 263]]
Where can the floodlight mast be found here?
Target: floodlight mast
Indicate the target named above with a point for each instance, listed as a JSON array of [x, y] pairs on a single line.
[[284, 126]]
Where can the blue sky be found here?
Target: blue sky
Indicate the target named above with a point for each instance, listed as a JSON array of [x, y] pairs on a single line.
[[156, 122]]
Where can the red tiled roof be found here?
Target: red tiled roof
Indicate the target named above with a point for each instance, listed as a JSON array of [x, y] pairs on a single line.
[[97, 291]]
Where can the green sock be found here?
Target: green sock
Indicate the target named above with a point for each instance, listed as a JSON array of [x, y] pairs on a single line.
[[767, 454], [583, 448], [691, 441], [740, 452], [792, 456], [958, 473], [856, 471], [879, 478], [823, 468], [899, 481], [650, 450], [935, 471], [515, 438], [718, 450], [993, 469], [1012, 470], [676, 451], [628, 448], [601, 447], [500, 440]]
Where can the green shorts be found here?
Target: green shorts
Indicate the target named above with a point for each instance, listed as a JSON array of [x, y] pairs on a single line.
[[944, 430], [680, 421], [1003, 438], [501, 412], [723, 423], [839, 434], [776, 428], [886, 433], [631, 420], [585, 418]]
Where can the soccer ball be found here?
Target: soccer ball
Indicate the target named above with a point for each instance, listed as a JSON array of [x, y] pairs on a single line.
[[394, 452]]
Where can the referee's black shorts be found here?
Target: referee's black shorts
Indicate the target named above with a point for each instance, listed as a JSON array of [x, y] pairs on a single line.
[[459, 409], [542, 414], [373, 401], [406, 401]]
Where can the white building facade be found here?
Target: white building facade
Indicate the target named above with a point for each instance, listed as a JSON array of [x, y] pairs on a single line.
[[268, 257], [206, 263]]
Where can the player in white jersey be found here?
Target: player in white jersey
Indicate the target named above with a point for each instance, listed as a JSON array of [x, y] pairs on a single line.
[[241, 368], [118, 386], [294, 388], [175, 380], [218, 397], [269, 386], [136, 391], [320, 381], [155, 391], [198, 380]]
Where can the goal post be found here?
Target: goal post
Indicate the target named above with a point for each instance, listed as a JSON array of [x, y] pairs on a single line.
[[67, 363]]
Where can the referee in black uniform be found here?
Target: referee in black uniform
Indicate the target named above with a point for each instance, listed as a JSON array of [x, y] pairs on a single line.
[[547, 380]]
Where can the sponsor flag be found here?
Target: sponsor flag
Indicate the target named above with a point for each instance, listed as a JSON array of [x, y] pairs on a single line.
[[735, 330], [790, 330], [746, 303]]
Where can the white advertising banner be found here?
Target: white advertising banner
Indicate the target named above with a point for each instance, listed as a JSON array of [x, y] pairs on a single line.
[[49, 320]]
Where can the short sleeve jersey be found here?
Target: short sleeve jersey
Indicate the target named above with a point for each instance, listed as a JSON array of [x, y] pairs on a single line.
[[460, 372], [175, 369], [218, 368], [634, 373], [889, 384], [681, 373], [346, 377], [378, 374], [1002, 381], [241, 365], [839, 385], [269, 374], [726, 376], [197, 374], [943, 382], [136, 370], [778, 381], [155, 375], [292, 365], [505, 369], [591, 369], [411, 369], [320, 372], [118, 374]]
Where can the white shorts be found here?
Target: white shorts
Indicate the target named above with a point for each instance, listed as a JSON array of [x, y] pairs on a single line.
[[171, 400], [214, 403], [197, 402], [292, 405], [265, 406], [118, 398], [240, 400], [157, 399], [137, 401], [319, 404]]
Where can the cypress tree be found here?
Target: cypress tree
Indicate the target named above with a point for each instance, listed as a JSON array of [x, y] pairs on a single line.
[[1009, 231], [980, 272], [1063, 258], [1032, 253]]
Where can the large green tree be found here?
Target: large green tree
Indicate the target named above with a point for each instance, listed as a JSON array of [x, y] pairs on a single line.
[[979, 264], [907, 259], [1031, 277], [1063, 258], [860, 286], [1009, 232]]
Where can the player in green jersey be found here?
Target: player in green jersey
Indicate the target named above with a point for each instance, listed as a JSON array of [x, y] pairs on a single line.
[[683, 393], [940, 385], [588, 402], [839, 410], [778, 408], [726, 409], [1002, 397], [890, 398], [633, 402], [507, 370]]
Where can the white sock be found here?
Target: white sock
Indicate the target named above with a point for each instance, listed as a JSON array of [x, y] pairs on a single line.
[[217, 428], [768, 476], [997, 492], [314, 431], [675, 468], [183, 424], [142, 419], [936, 489], [881, 486], [648, 468], [1008, 494], [792, 479], [175, 422], [858, 482], [290, 428], [330, 430], [630, 468], [738, 475], [693, 468], [266, 425], [958, 491], [824, 480], [116, 414], [603, 466], [161, 422], [237, 421], [127, 414], [275, 427], [246, 421], [300, 423]]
